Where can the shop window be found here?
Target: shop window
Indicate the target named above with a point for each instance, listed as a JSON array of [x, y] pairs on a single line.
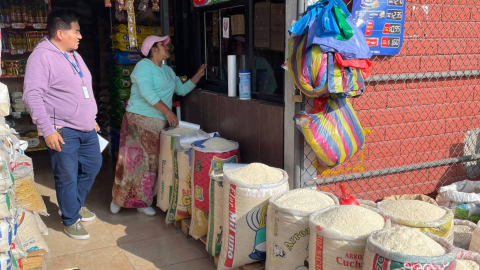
[[255, 35]]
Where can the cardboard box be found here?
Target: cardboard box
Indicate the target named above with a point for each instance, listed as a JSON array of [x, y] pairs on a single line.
[[262, 16], [261, 39], [238, 24], [277, 41], [277, 17], [277, 9]]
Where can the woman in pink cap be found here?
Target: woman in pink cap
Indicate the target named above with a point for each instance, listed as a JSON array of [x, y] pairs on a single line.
[[149, 110]]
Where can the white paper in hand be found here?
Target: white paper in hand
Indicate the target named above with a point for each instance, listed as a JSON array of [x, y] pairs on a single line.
[[103, 143]]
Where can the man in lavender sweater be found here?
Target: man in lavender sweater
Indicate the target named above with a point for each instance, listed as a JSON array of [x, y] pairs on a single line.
[[58, 94]]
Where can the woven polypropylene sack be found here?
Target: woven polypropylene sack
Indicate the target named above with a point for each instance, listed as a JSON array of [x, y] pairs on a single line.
[[330, 250], [204, 162], [29, 233], [288, 234], [215, 217], [27, 196], [165, 171], [244, 220], [332, 130], [442, 227], [419, 197], [377, 257], [180, 206]]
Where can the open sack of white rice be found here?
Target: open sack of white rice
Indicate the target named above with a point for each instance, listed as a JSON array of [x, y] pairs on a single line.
[[420, 215], [401, 247], [338, 235], [245, 203], [288, 230]]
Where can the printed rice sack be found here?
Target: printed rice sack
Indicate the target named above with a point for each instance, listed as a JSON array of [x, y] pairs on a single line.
[[420, 215], [246, 194], [165, 173], [7, 230], [288, 231], [208, 155], [180, 206], [338, 236], [7, 205], [438, 255], [29, 233], [215, 217]]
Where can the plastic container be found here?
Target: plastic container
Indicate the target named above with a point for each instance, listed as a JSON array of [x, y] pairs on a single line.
[[244, 85]]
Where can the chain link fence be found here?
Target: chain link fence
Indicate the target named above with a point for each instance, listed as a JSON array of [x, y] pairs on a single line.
[[419, 109]]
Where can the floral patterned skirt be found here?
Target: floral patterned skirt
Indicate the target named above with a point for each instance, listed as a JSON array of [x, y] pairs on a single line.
[[137, 164]]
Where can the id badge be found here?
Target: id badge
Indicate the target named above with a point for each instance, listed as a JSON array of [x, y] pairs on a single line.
[[85, 92]]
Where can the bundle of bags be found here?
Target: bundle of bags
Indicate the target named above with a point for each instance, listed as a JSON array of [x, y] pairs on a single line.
[[328, 60], [21, 227]]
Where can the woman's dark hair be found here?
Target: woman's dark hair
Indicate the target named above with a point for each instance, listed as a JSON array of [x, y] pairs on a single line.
[[150, 52], [60, 20]]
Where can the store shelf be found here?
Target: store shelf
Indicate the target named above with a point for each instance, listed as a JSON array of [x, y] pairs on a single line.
[[11, 76], [16, 52], [38, 26]]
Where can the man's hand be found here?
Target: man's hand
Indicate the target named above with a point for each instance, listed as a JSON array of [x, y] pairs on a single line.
[[97, 128], [171, 118], [53, 141]]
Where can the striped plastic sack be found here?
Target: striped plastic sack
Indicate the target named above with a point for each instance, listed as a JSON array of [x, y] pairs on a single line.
[[307, 67], [343, 81], [332, 130]]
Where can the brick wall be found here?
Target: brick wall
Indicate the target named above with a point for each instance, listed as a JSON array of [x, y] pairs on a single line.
[[414, 121]]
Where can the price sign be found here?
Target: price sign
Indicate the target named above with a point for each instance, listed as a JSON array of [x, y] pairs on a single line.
[[395, 3], [392, 28], [390, 42], [40, 25], [18, 25], [394, 14], [382, 22]]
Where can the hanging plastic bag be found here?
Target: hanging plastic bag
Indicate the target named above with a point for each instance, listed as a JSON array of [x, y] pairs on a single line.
[[346, 31], [307, 67], [354, 48], [343, 82], [332, 130], [363, 64]]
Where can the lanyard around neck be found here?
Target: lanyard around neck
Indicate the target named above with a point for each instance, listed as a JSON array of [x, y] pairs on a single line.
[[74, 65]]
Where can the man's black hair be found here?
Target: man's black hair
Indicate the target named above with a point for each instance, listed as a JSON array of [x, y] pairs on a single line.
[[60, 20], [150, 52]]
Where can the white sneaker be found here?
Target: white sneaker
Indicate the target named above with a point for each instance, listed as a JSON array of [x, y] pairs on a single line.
[[114, 208], [149, 211]]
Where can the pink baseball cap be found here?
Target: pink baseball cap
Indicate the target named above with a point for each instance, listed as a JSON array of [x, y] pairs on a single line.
[[150, 40]]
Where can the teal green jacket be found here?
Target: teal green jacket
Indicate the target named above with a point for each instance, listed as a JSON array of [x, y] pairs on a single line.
[[150, 84]]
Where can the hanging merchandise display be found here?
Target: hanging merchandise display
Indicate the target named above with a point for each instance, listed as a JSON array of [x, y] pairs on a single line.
[[332, 129], [200, 3], [155, 5], [108, 3], [143, 5], [132, 34], [383, 24]]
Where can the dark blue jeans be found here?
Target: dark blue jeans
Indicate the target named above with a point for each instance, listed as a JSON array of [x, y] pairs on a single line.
[[74, 170]]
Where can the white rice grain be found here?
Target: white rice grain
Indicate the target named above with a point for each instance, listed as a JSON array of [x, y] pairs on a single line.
[[351, 220], [467, 265], [463, 233], [256, 174], [218, 144], [407, 241], [307, 200], [412, 210]]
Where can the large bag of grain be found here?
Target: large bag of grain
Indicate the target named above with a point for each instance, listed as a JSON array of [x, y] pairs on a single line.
[[463, 198], [419, 197], [406, 248], [207, 155], [165, 173], [462, 233], [338, 235], [288, 231], [246, 194], [420, 215], [215, 218], [30, 236]]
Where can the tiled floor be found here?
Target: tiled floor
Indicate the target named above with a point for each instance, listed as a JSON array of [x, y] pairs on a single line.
[[127, 240]]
